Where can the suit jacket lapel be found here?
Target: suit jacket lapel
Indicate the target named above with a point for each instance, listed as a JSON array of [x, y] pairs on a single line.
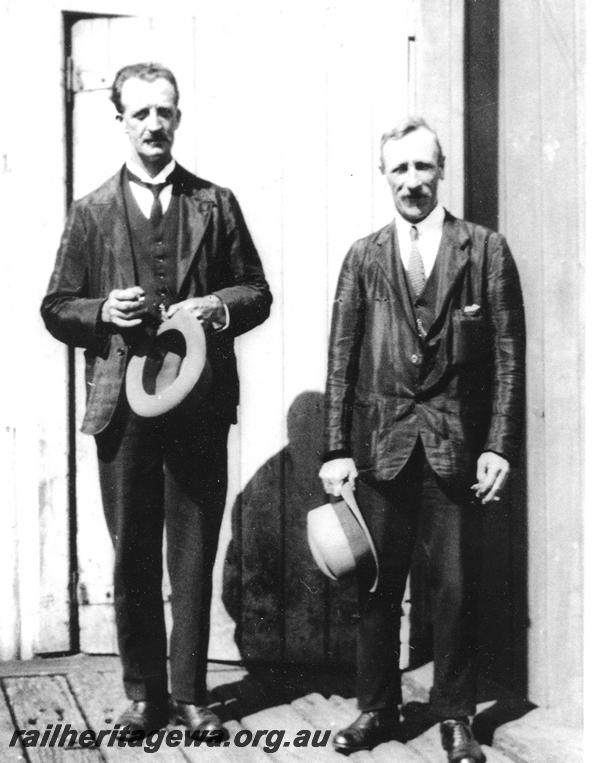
[[451, 261], [112, 221], [195, 208], [389, 261]]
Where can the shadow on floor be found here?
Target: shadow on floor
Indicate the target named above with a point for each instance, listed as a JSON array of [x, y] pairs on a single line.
[[267, 685]]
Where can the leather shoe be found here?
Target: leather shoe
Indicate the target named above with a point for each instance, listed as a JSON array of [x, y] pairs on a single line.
[[142, 718], [459, 742], [200, 720], [368, 730]]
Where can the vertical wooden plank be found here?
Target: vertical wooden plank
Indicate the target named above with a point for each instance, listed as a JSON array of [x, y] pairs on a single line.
[[561, 170], [47, 411], [540, 112], [304, 253], [367, 94], [263, 353], [33, 408], [237, 145], [8, 517], [440, 97], [9, 535], [520, 149], [93, 114], [9, 548], [53, 633], [482, 40]]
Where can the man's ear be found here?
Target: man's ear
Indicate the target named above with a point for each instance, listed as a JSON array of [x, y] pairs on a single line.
[[177, 118], [442, 165]]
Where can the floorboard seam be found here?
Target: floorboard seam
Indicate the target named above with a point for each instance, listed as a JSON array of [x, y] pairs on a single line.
[[13, 718]]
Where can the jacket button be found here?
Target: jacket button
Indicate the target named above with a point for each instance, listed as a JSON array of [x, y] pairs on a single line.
[[414, 358]]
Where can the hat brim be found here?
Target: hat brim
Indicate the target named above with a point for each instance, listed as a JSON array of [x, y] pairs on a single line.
[[172, 368], [340, 542]]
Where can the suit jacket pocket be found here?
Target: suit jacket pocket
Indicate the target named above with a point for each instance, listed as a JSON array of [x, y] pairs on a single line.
[[471, 339]]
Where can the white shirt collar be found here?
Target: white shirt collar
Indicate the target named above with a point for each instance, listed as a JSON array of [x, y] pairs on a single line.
[[430, 234], [431, 224], [141, 173]]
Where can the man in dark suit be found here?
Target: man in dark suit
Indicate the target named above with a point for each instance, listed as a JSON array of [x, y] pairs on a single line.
[[424, 407], [152, 240]]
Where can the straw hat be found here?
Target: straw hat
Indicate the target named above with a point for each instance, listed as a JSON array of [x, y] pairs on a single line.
[[340, 541], [172, 368]]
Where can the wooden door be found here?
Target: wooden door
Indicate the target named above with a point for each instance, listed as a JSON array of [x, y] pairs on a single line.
[[284, 103]]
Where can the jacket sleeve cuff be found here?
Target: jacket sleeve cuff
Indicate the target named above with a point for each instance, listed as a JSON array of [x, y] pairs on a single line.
[[225, 325], [103, 332], [498, 453]]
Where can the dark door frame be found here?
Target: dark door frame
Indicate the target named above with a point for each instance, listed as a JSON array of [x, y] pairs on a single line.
[[69, 20]]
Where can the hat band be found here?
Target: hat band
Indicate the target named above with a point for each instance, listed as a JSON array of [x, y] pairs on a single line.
[[356, 537]]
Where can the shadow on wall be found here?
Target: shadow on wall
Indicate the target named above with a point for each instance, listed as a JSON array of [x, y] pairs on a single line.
[[286, 611], [284, 608]]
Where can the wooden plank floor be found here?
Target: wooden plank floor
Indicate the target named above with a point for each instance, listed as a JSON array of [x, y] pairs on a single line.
[[270, 712]]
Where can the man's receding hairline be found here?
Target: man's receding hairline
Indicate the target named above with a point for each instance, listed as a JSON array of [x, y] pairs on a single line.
[[403, 130], [150, 82]]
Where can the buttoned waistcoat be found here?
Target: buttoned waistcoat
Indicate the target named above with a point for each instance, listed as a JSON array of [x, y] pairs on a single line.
[[215, 255], [460, 388]]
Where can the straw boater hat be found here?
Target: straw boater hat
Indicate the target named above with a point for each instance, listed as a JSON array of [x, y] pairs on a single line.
[[171, 369], [340, 541]]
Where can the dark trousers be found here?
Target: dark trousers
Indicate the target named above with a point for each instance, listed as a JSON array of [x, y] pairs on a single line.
[[169, 472], [416, 512]]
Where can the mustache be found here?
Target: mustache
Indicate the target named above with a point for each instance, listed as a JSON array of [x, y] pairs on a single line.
[[415, 196]]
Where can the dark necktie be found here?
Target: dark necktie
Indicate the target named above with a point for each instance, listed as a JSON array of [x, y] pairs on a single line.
[[156, 212], [416, 271]]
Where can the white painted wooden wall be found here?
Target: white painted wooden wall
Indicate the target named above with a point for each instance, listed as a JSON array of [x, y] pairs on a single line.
[[542, 203], [284, 103]]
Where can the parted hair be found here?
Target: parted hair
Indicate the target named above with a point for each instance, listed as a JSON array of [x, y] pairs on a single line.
[[148, 71]]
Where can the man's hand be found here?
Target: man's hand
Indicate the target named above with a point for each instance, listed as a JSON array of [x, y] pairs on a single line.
[[209, 309], [492, 471], [334, 473], [124, 307]]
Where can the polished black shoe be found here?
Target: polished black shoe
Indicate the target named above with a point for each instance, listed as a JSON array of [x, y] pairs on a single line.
[[368, 730], [200, 720], [459, 742], [142, 718]]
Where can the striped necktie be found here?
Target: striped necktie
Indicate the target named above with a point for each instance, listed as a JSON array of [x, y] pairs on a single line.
[[416, 271]]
